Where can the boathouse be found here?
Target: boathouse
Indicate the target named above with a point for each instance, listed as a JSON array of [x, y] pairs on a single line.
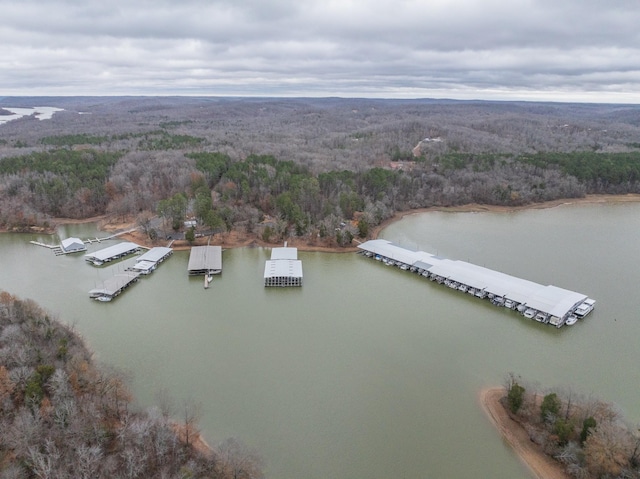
[[284, 268], [147, 263], [72, 245], [113, 286], [156, 255], [205, 260], [111, 253], [546, 304]]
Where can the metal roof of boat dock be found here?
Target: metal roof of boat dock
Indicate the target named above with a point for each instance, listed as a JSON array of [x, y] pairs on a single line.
[[112, 285], [283, 268], [205, 258], [155, 254], [143, 266], [114, 251], [549, 299], [284, 253], [72, 243]]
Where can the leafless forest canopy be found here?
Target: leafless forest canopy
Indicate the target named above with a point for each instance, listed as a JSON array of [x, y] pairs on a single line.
[[589, 437], [63, 415], [308, 163]]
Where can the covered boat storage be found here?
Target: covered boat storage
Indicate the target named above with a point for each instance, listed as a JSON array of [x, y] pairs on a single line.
[[546, 304], [113, 286], [284, 268], [111, 253], [72, 245], [147, 263], [156, 255], [205, 260]]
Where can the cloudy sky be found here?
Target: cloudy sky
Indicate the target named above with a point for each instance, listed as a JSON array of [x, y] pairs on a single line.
[[561, 50]]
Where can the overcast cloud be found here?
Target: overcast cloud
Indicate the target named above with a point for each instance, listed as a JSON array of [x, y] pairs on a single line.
[[563, 50]]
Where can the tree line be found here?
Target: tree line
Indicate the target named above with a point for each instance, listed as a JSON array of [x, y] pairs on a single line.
[[62, 415], [588, 436], [224, 193]]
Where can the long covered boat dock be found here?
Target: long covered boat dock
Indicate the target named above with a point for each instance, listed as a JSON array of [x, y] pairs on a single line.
[[147, 263], [546, 304], [113, 286], [105, 255]]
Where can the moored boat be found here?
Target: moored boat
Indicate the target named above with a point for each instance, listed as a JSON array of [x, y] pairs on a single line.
[[585, 308], [571, 320]]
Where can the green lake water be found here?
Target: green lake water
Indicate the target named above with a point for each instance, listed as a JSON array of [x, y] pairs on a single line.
[[366, 371]]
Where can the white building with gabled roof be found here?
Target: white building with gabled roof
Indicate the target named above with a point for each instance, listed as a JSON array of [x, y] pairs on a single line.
[[72, 245]]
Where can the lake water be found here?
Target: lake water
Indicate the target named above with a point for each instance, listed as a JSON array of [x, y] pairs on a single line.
[[366, 371], [40, 112]]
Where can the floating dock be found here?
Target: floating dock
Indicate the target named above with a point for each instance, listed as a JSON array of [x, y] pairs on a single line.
[[148, 262], [113, 286], [205, 260], [111, 253], [545, 304], [284, 268]]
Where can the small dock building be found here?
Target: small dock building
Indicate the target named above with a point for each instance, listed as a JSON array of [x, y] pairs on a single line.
[[284, 268], [546, 304], [111, 253], [205, 260], [72, 245]]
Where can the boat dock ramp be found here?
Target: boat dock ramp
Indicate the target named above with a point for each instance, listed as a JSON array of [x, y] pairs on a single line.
[[546, 304], [75, 245]]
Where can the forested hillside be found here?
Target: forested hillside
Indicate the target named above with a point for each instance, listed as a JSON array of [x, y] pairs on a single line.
[[306, 165], [61, 415]]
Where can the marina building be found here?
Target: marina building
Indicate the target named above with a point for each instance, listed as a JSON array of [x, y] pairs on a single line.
[[205, 260], [546, 304], [111, 253], [72, 245], [284, 268]]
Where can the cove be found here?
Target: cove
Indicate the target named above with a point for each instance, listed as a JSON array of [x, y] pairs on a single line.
[[366, 371]]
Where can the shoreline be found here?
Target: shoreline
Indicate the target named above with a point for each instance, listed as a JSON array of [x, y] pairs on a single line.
[[236, 239], [480, 208], [539, 464]]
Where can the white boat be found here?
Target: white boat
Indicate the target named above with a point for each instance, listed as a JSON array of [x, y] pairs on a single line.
[[529, 313], [541, 317], [103, 298], [585, 308], [571, 320]]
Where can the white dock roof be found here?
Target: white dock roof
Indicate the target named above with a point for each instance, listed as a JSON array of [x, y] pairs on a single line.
[[113, 251], [114, 284], [73, 243], [551, 300], [155, 254], [284, 253], [283, 268], [205, 258]]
